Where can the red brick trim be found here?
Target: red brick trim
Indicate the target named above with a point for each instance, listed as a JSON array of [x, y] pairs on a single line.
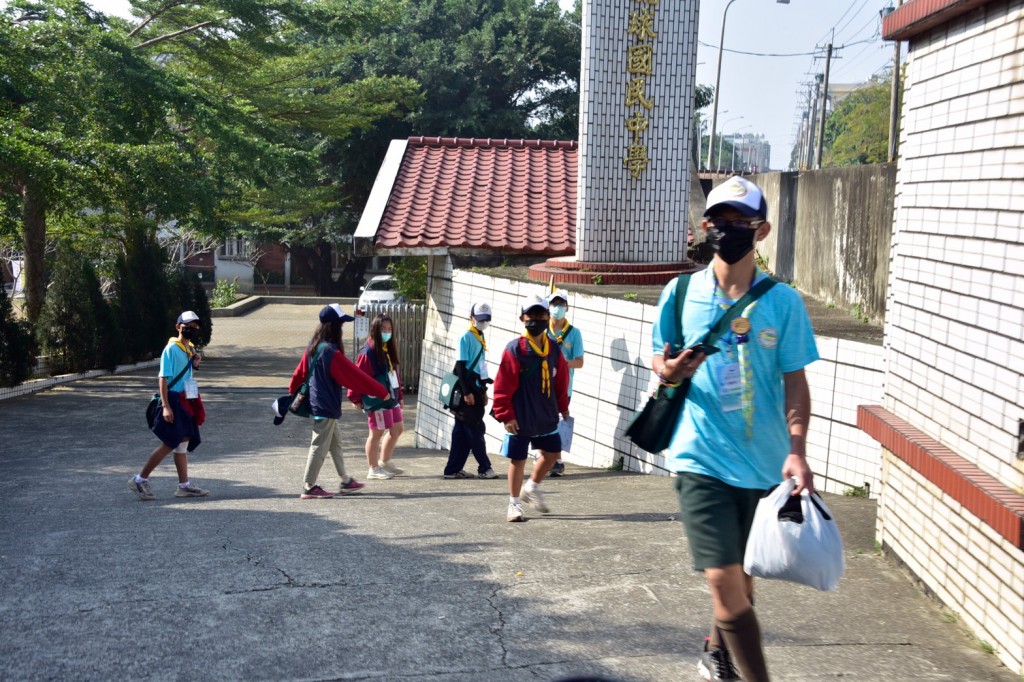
[[979, 493], [917, 16]]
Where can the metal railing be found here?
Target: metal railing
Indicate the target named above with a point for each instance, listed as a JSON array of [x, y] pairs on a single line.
[[409, 320]]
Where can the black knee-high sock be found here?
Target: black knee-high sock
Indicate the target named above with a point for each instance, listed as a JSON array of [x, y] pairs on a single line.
[[742, 637]]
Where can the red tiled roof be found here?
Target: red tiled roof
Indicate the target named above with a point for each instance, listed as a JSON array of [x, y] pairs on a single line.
[[467, 193]]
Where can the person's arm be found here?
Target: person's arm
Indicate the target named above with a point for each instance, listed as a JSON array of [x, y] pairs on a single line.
[[798, 414], [506, 383], [353, 376], [164, 398], [562, 385], [299, 375], [576, 362]]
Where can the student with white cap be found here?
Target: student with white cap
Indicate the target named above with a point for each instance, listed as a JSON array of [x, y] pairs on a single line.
[[570, 341], [531, 390], [744, 428], [469, 430], [177, 423]]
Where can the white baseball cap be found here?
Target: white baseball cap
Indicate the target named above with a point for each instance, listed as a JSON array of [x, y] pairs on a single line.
[[187, 316], [480, 311], [559, 293], [738, 193], [533, 301]]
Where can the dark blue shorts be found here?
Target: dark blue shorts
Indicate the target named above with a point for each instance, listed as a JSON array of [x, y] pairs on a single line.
[[519, 446]]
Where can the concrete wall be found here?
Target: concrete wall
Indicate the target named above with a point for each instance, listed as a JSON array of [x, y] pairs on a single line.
[[832, 233], [955, 322], [616, 378]]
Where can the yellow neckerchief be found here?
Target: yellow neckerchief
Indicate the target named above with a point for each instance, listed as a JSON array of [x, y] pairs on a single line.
[[560, 336], [479, 336], [180, 345], [542, 353], [384, 346]]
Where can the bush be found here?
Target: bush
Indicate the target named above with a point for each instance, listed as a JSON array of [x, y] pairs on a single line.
[[225, 293], [410, 274], [67, 326], [17, 347]]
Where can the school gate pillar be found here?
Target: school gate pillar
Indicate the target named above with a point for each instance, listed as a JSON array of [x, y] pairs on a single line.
[[637, 79]]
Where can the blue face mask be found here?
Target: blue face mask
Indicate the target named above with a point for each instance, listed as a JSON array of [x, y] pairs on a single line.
[[558, 312], [385, 336]]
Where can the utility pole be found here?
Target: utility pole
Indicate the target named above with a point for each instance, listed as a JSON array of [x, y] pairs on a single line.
[[813, 128], [824, 106], [894, 97]]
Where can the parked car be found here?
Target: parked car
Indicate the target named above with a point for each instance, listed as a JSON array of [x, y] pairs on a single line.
[[380, 289]]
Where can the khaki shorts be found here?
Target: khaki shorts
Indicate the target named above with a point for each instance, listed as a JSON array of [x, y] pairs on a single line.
[[717, 517]]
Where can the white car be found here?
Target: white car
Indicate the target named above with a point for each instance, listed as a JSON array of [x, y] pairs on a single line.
[[380, 289]]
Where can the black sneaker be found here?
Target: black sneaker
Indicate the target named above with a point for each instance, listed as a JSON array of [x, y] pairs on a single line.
[[716, 664], [557, 470]]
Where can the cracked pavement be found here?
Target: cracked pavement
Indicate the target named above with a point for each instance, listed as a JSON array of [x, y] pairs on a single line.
[[416, 578]]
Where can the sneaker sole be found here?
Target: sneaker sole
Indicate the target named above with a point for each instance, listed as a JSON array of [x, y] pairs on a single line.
[[515, 519], [138, 493], [315, 497], [191, 494], [542, 508]]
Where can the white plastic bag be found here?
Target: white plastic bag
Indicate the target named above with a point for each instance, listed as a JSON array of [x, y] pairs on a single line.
[[565, 429], [798, 542]]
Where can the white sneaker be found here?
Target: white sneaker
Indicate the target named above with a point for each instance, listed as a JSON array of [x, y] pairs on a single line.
[[490, 473], [390, 466], [515, 513], [379, 474], [534, 499]]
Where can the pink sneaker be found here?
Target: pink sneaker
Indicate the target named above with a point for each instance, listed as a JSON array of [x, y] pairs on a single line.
[[316, 493], [352, 486]]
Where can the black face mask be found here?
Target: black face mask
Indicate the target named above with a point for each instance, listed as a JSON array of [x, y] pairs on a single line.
[[730, 242], [189, 333], [536, 327]]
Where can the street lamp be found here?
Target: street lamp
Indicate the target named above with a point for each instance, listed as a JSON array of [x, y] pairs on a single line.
[[722, 137], [718, 80]]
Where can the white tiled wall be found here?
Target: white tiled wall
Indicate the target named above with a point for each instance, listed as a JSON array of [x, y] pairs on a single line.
[[955, 319], [616, 378], [965, 563], [621, 219]]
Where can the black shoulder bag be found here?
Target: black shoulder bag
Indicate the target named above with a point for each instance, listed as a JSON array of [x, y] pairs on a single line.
[[652, 427], [155, 405]]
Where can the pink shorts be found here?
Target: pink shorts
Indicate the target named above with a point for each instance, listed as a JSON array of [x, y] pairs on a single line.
[[381, 420]]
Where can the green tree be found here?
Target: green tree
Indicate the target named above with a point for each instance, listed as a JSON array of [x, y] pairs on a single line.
[[17, 347], [487, 68], [67, 328], [410, 274], [857, 132]]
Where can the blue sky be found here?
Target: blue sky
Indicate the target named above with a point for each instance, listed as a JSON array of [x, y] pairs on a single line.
[[760, 93]]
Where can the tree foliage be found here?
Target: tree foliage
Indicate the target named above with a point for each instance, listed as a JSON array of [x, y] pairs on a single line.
[[857, 132], [17, 347], [410, 274], [72, 327]]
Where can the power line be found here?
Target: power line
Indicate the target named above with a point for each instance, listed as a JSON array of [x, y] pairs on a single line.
[[757, 54]]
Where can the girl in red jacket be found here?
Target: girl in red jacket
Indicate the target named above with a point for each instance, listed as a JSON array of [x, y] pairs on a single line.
[[331, 370], [379, 359]]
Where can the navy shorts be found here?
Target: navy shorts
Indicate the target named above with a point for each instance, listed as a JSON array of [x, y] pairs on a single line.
[[519, 446]]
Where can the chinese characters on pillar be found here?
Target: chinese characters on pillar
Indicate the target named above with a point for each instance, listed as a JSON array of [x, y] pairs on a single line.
[[639, 70]]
